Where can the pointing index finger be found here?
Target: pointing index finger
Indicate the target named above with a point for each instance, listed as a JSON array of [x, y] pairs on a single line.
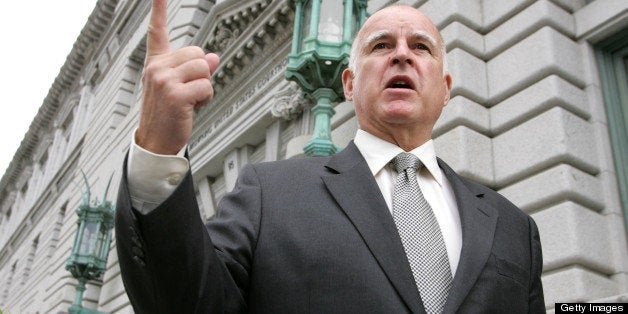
[[157, 41]]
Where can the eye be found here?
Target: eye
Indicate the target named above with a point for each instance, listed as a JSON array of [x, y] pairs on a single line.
[[422, 46], [379, 46]]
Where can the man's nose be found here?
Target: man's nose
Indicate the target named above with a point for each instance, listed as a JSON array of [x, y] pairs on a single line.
[[402, 55]]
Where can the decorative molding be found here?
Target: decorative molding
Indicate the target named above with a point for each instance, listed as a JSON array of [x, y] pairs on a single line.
[[265, 31], [289, 102], [25, 175], [67, 109], [43, 146], [138, 56], [8, 201], [217, 117], [224, 37], [240, 32], [230, 20]]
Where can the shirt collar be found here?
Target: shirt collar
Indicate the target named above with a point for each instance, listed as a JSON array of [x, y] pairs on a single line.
[[378, 153]]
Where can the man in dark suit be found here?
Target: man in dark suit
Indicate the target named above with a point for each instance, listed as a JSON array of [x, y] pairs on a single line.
[[320, 235]]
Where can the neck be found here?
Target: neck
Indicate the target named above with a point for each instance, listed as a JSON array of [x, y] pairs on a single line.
[[404, 138]]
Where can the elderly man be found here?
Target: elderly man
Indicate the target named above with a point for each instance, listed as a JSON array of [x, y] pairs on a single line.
[[382, 227]]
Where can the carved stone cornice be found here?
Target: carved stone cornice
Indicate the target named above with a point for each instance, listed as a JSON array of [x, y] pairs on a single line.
[[231, 22], [239, 30]]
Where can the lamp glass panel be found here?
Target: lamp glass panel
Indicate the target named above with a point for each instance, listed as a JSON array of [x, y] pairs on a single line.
[[100, 242], [330, 22], [88, 242], [305, 23]]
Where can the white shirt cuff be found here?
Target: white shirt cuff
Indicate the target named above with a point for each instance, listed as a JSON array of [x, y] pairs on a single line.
[[153, 177]]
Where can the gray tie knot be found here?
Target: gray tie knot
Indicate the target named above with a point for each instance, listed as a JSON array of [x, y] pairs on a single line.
[[404, 161]]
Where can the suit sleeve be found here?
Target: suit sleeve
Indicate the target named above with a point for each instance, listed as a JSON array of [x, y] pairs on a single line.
[[536, 300], [171, 264]]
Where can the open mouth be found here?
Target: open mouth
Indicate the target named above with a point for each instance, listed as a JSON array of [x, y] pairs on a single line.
[[400, 85], [400, 82]]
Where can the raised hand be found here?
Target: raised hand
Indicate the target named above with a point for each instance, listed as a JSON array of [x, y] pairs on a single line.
[[175, 82]]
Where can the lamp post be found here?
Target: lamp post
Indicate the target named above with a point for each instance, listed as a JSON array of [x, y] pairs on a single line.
[[321, 44], [88, 260]]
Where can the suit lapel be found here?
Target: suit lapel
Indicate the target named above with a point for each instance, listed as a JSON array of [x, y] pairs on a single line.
[[478, 220], [357, 193]]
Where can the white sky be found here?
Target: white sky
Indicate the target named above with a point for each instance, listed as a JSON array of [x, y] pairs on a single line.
[[36, 37]]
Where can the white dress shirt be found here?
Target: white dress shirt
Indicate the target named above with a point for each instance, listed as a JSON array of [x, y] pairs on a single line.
[[152, 178], [433, 183]]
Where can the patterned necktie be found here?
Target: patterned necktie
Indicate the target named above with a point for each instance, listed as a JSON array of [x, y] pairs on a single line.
[[420, 235]]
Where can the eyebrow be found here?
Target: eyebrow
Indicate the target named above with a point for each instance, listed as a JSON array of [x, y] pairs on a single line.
[[375, 37], [420, 35]]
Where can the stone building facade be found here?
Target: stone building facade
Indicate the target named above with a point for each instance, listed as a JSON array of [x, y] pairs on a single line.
[[534, 114]]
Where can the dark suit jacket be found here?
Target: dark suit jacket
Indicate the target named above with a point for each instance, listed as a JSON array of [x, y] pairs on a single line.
[[314, 235]]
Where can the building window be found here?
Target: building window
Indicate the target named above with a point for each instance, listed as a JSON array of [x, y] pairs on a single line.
[[56, 231], [612, 55], [7, 285], [66, 126], [29, 260]]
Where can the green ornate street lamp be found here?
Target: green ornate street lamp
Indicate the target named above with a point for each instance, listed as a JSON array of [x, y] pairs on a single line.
[[88, 260], [321, 44]]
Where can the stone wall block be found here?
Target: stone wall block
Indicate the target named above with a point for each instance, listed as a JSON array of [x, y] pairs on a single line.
[[462, 111], [205, 5], [294, 147], [570, 235], [555, 136], [189, 16], [443, 12], [539, 14], [541, 54], [608, 170], [185, 24], [552, 91], [556, 185], [593, 15], [344, 133], [458, 35], [468, 152], [575, 284], [617, 233], [464, 65], [112, 295], [570, 5], [344, 111], [495, 12]]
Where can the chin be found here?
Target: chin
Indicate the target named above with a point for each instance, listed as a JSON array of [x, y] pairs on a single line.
[[400, 109], [399, 119]]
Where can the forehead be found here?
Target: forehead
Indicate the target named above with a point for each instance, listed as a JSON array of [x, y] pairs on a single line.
[[397, 19]]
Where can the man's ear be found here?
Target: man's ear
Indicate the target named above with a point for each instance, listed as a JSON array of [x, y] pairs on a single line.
[[347, 84], [447, 82]]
